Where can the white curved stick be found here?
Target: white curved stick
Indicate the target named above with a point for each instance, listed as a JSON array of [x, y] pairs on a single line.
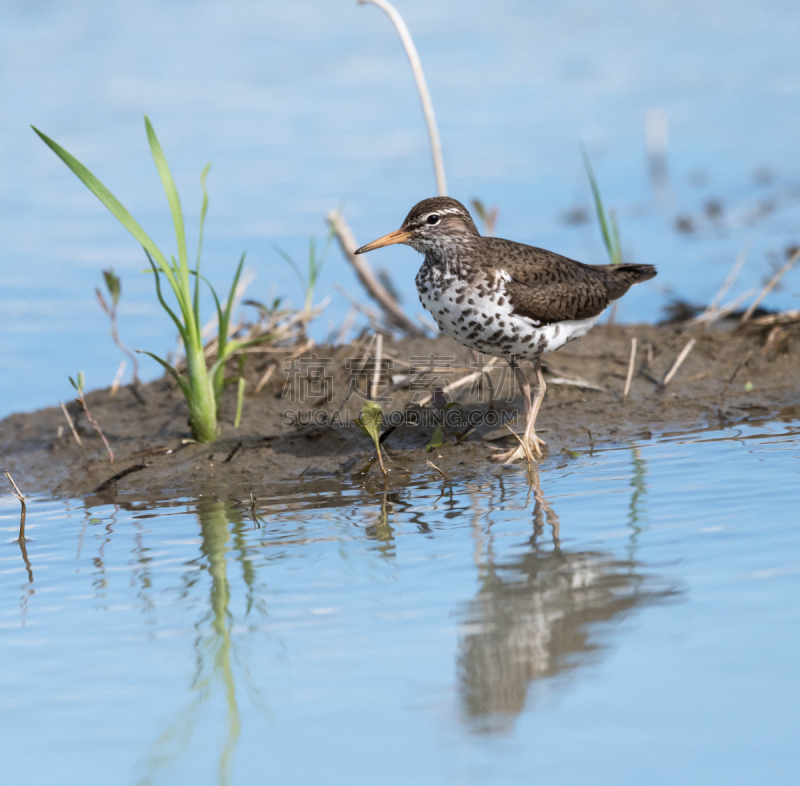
[[422, 86]]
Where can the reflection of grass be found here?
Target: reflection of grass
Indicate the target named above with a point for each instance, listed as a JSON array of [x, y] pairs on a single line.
[[639, 486], [215, 650], [381, 530]]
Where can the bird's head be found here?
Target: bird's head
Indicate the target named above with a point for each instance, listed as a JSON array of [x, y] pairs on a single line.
[[431, 226]]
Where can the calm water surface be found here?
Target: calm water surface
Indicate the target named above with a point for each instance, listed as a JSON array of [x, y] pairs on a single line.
[[306, 105], [629, 617]]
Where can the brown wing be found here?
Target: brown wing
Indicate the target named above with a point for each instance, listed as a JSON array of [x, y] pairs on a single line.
[[547, 287]]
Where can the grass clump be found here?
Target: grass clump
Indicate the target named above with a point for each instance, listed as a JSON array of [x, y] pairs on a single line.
[[201, 385]]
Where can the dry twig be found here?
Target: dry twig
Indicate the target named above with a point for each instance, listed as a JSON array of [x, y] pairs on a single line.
[[71, 424], [23, 512], [631, 363], [784, 318], [770, 285], [721, 313], [376, 372], [118, 378], [394, 313], [460, 383], [265, 377], [440, 471], [81, 398], [21, 497], [712, 308], [677, 364]]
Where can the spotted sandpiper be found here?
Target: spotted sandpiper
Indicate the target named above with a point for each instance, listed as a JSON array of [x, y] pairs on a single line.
[[505, 298]]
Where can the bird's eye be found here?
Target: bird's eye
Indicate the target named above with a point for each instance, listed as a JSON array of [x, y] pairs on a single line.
[[434, 219]]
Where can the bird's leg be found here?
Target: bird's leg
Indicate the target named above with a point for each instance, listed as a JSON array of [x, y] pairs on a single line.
[[529, 442], [486, 378], [530, 438]]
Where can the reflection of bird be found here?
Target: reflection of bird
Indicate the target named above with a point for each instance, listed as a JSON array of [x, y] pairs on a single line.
[[531, 618], [505, 298]]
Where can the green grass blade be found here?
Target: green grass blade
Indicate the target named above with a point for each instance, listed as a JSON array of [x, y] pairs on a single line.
[[239, 402], [173, 316], [203, 211], [598, 203], [172, 198], [617, 255], [107, 198], [216, 300], [172, 371], [226, 314], [292, 264], [232, 347]]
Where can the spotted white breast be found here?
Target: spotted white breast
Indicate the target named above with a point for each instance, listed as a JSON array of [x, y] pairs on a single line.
[[477, 314]]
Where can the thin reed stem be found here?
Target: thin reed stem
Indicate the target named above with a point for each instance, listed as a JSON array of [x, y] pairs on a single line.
[[678, 363], [631, 364], [770, 285], [71, 423], [422, 87]]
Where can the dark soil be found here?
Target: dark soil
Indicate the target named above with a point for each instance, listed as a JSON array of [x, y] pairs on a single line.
[[727, 378]]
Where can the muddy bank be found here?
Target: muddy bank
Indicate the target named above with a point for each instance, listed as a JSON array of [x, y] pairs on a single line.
[[297, 429]]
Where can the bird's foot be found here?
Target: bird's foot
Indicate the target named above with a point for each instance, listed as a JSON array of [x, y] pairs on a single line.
[[530, 449]]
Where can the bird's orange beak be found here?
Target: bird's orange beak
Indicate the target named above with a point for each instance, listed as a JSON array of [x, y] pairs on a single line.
[[398, 236]]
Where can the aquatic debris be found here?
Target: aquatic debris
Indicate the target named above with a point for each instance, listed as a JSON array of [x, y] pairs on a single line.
[[106, 484], [22, 515]]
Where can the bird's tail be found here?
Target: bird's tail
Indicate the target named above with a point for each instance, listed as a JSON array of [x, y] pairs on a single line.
[[622, 277]]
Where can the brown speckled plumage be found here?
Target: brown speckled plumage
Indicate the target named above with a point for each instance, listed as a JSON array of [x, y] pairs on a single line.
[[504, 298]]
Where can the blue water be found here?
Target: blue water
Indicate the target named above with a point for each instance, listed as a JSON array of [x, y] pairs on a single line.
[[309, 105], [634, 619]]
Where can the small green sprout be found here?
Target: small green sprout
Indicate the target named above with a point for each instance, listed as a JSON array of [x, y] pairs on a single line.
[[315, 262], [114, 287], [78, 384], [201, 386], [440, 432], [369, 421], [437, 439]]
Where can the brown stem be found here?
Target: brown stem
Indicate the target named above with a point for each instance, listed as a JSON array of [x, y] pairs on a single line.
[[394, 313], [96, 427]]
